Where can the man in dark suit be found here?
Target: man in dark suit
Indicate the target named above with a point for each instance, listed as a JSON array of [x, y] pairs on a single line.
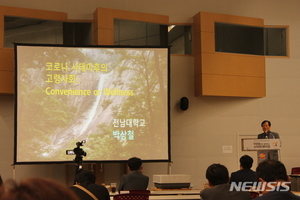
[[217, 176], [245, 174], [275, 181], [134, 179]]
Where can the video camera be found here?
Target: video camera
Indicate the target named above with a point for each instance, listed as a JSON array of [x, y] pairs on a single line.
[[77, 151]]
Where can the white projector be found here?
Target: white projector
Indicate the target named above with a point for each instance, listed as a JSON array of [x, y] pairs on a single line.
[[171, 181]]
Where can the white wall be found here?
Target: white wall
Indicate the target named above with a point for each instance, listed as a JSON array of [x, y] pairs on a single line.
[[199, 133]]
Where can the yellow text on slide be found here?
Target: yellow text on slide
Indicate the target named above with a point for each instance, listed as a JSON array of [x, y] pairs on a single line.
[[76, 92], [118, 92], [67, 92]]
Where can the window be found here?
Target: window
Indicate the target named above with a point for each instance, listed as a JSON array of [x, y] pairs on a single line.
[[41, 31], [28, 30], [180, 39], [136, 33], [233, 38], [275, 41]]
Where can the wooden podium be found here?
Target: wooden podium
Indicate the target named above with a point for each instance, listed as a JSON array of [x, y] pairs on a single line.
[[267, 149]]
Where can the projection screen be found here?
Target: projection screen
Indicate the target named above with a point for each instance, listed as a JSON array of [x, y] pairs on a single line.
[[114, 98]]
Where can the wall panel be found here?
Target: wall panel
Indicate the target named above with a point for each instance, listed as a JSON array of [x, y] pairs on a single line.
[[6, 82], [225, 74], [232, 86]]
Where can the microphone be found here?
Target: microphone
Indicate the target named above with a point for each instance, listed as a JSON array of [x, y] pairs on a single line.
[[266, 133]]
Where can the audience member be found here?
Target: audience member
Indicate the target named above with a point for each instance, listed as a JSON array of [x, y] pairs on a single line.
[[218, 177], [134, 179], [1, 186], [86, 189], [274, 181], [37, 189], [245, 174]]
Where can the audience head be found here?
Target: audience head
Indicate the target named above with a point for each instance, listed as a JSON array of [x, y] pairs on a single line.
[[85, 177], [246, 162], [37, 189], [134, 163], [1, 186], [271, 171], [217, 174]]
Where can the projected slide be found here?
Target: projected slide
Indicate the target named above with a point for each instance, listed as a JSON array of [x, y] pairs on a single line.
[[116, 99]]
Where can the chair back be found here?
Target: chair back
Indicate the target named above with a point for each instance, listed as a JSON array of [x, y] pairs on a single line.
[[131, 196], [296, 170], [254, 194], [140, 191]]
